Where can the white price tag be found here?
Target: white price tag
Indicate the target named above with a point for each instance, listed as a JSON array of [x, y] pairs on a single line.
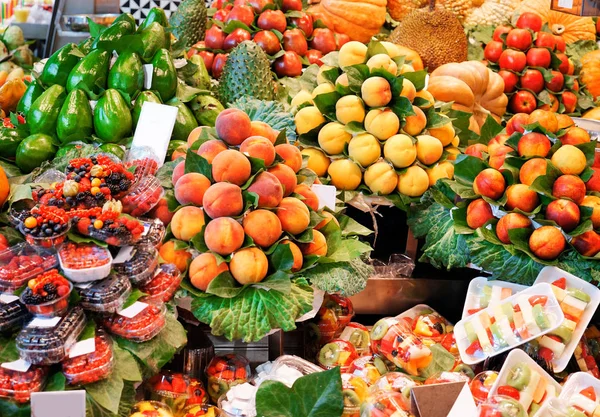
[[567, 4], [19, 365], [154, 129], [47, 404], [124, 255], [133, 310], [44, 322], [83, 347], [148, 70], [326, 194], [8, 298]]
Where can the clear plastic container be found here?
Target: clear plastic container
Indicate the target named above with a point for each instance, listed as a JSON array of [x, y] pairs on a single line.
[[143, 197], [140, 266], [54, 308], [482, 384], [482, 292], [45, 241], [91, 367], [22, 262], [430, 326], [239, 401], [106, 296], [196, 393], [13, 313], [49, 345], [302, 365], [225, 371], [358, 335], [18, 386], [402, 347], [170, 388], [354, 392], [145, 161], [201, 410], [370, 368], [337, 353], [142, 327], [84, 262], [154, 232], [582, 391], [387, 403], [447, 377], [151, 408], [19, 211], [164, 284], [396, 381], [120, 235], [501, 405]]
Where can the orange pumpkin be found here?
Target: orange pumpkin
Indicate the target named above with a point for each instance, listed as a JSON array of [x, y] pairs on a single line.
[[590, 72]]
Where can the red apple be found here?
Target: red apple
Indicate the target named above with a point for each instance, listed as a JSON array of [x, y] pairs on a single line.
[[221, 15], [292, 5], [499, 31], [314, 57], [236, 37], [341, 39], [243, 14], [569, 100], [532, 80], [553, 106], [492, 51], [268, 41], [288, 65], [272, 19], [516, 123], [519, 39], [557, 82], [523, 102], [208, 58], [214, 37], [545, 40], [218, 64], [561, 46], [259, 5], [304, 23], [539, 57], [323, 40], [530, 21], [510, 80], [512, 60], [564, 65], [294, 40]]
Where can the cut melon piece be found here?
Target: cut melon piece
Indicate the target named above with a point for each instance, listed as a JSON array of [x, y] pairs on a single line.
[[507, 332], [520, 326], [550, 392], [540, 391], [596, 411], [485, 320], [565, 330], [530, 389], [496, 294], [486, 294], [573, 307], [525, 399], [583, 403], [498, 312], [471, 335], [579, 294], [498, 337], [556, 347], [506, 292], [541, 319], [508, 310], [559, 293], [482, 335]]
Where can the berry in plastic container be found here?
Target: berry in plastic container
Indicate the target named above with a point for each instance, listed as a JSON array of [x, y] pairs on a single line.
[[19, 211], [13, 313], [18, 386], [404, 349], [370, 368], [385, 403], [154, 232], [21, 262], [482, 384], [47, 295], [93, 366], [164, 284], [139, 264], [358, 335], [106, 296], [107, 226], [47, 341], [396, 381], [354, 392], [46, 226], [151, 408], [200, 410], [337, 353], [84, 262], [143, 197], [139, 322], [170, 388], [145, 161], [225, 371]]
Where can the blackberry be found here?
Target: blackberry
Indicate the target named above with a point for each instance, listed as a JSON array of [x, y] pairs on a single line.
[[58, 228], [124, 184], [80, 196], [27, 294], [52, 201], [51, 296], [50, 288], [394, 353]]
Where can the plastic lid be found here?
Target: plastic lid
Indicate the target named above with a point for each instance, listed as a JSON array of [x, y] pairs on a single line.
[[227, 367], [154, 231], [49, 338], [12, 312], [106, 291], [22, 262], [163, 409], [19, 385], [142, 258], [83, 255], [144, 159], [93, 366], [164, 284], [143, 197], [140, 327]]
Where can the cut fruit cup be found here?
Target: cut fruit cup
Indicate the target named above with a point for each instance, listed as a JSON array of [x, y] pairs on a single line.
[[170, 388], [140, 267], [386, 403], [84, 262], [45, 241], [337, 353], [581, 392], [91, 367], [358, 335], [143, 197], [482, 384], [354, 393], [13, 313], [106, 296], [396, 381], [201, 410], [141, 327], [405, 350], [22, 262], [54, 308], [501, 405], [164, 284], [225, 371], [18, 386], [151, 408], [369, 368], [431, 326]]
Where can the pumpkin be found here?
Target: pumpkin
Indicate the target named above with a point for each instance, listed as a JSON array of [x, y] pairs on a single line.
[[398, 9], [10, 94], [572, 28], [472, 87], [359, 19], [590, 72]]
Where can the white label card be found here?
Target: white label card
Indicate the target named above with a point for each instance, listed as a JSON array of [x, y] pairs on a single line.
[[44, 322], [154, 129], [125, 254], [567, 4], [19, 365], [148, 70], [83, 347], [133, 310], [47, 404], [326, 194], [8, 298]]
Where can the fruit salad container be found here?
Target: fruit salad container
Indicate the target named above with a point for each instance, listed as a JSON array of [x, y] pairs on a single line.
[[106, 296], [22, 262], [482, 384], [170, 388], [151, 408], [239, 401], [500, 406], [301, 365], [196, 393], [19, 211], [145, 161], [358, 335], [354, 392], [200, 410], [522, 379], [107, 225], [429, 325], [17, 385], [581, 395], [446, 377], [84, 262], [483, 292], [224, 372], [93, 366], [154, 232], [46, 226], [402, 347], [398, 382], [164, 284], [378, 332], [369, 368], [388, 403], [13, 313], [520, 318], [337, 353], [556, 408], [139, 322], [138, 263], [47, 295], [47, 341], [578, 300], [143, 197]]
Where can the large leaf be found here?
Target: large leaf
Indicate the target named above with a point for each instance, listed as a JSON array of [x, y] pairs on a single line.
[[348, 278], [126, 402], [9, 408], [270, 112], [165, 173], [8, 350]]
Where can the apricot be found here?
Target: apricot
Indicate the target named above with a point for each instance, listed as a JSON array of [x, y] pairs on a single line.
[[569, 186], [259, 147], [569, 160], [223, 200], [179, 257], [268, 188], [263, 129], [345, 174], [444, 133], [426, 95], [413, 125], [534, 144], [224, 235], [352, 53], [350, 109], [408, 90], [296, 253], [233, 126], [333, 138], [318, 246], [317, 162], [263, 226], [384, 62], [547, 242], [593, 202], [231, 166], [532, 169], [429, 149], [476, 150], [194, 135], [310, 198], [302, 97], [249, 266], [587, 243], [520, 196], [376, 92], [593, 184], [546, 119], [516, 123], [294, 215], [400, 150], [413, 182], [453, 152], [307, 119], [382, 123], [328, 217], [497, 145], [497, 162], [286, 176], [187, 222], [180, 152], [178, 172], [291, 156], [190, 188], [489, 183], [575, 136], [323, 88], [381, 178], [441, 170], [479, 212], [364, 149], [204, 268], [211, 148], [564, 213], [161, 212], [564, 121], [511, 221]]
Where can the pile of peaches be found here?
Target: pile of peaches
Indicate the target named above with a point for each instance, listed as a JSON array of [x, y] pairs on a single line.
[[553, 192], [533, 62], [247, 201], [288, 35]]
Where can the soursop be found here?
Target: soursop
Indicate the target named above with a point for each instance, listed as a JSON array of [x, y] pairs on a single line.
[[13, 37], [23, 55], [188, 22]]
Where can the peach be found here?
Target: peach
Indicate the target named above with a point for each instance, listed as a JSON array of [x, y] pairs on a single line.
[[178, 172], [286, 176], [310, 198], [320, 77], [426, 95], [546, 119], [352, 53], [384, 62], [476, 150], [231, 166], [381, 178], [382, 123], [479, 212], [179, 257], [593, 184], [323, 88], [569, 160], [291, 155], [497, 162], [187, 222], [259, 147], [587, 243], [161, 212], [333, 138], [211, 148], [453, 153], [376, 92], [317, 162], [302, 97], [532, 169], [575, 136], [594, 203], [547, 242], [564, 213], [268, 188], [413, 182], [534, 144], [308, 118], [429, 149], [413, 125], [350, 109], [223, 200], [516, 123], [364, 149], [489, 183], [511, 221], [497, 145], [190, 188], [444, 133], [342, 80], [258, 128], [441, 170], [328, 217], [263, 226], [520, 196], [569, 186], [224, 235], [596, 163], [249, 266], [296, 253], [318, 246], [204, 268], [345, 174], [564, 121], [400, 150], [180, 152], [294, 215], [194, 135], [233, 126], [408, 90]]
